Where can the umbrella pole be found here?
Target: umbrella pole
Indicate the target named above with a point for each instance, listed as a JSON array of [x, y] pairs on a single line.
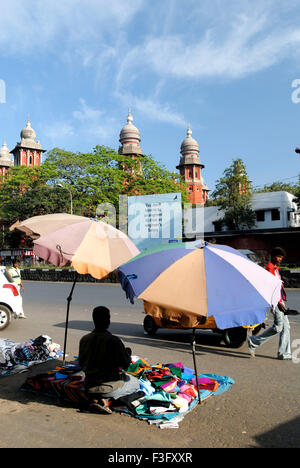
[[195, 364], [67, 316]]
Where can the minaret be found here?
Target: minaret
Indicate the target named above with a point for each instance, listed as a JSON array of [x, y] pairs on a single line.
[[130, 141], [28, 152], [5, 161], [190, 169]]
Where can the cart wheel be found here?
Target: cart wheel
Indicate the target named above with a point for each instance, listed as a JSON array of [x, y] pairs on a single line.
[[150, 326], [234, 337], [5, 316]]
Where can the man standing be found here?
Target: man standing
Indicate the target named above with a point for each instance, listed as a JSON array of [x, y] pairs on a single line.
[[15, 275], [281, 323]]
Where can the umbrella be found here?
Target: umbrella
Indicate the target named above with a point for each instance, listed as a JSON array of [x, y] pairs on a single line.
[[91, 246], [39, 225], [195, 279]]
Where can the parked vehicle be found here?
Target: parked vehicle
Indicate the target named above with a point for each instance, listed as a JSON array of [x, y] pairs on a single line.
[[11, 303]]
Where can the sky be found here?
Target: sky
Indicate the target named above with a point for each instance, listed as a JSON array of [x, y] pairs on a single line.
[[229, 68]]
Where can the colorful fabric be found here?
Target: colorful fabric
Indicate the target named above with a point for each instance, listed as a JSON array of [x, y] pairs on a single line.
[[17, 357], [166, 396]]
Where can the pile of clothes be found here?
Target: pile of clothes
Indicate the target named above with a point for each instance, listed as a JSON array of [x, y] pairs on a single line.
[[17, 357], [167, 391]]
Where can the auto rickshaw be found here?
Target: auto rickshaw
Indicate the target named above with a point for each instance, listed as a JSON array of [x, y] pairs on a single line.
[[162, 317]]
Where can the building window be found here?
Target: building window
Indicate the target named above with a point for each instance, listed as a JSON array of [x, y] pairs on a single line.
[[260, 215], [275, 214]]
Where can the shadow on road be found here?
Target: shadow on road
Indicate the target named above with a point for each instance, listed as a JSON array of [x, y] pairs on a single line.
[[285, 435], [206, 341]]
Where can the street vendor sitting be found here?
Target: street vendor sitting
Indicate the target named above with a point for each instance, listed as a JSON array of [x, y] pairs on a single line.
[[102, 357]]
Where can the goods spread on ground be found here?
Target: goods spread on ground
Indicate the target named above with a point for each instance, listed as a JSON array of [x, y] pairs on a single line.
[[17, 357], [167, 391]]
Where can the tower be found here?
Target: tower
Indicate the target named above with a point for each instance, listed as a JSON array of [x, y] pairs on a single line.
[[190, 169], [5, 161], [28, 152], [130, 142]]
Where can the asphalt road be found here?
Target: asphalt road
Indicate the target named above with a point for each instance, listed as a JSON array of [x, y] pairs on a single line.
[[260, 410]]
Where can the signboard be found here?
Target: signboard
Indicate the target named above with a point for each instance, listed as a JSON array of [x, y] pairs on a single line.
[[155, 219]]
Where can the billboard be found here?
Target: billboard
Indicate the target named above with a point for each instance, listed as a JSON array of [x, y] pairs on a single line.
[[154, 219]]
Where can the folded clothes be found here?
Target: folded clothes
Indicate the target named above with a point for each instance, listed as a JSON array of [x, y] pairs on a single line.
[[163, 395], [206, 384], [16, 357]]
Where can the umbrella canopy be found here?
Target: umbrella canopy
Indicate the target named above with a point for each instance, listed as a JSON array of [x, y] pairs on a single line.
[[39, 225], [202, 279], [91, 246]]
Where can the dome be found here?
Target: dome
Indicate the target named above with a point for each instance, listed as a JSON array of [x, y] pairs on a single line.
[[5, 156], [130, 138], [189, 144], [4, 152], [129, 131], [28, 133]]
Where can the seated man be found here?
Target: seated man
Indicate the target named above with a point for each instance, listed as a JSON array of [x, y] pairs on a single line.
[[102, 356]]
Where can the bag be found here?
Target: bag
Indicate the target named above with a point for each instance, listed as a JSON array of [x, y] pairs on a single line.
[[291, 312]]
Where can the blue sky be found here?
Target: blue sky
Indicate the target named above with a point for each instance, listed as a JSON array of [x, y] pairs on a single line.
[[225, 66]]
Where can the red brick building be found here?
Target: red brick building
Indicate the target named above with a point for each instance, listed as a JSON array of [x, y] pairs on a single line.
[[190, 169], [28, 152]]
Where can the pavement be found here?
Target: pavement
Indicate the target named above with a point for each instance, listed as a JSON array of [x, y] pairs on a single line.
[[260, 410]]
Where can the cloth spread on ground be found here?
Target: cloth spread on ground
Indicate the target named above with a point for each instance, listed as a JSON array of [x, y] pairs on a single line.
[[166, 391], [17, 357]]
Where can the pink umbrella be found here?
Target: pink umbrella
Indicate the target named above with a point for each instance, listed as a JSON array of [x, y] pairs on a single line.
[[91, 246]]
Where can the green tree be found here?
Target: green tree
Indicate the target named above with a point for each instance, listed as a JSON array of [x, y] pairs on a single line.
[[233, 195], [92, 178], [279, 187], [23, 192], [102, 175]]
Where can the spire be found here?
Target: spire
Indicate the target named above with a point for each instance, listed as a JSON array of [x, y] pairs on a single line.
[[129, 117]]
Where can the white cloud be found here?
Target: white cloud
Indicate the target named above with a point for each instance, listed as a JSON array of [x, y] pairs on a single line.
[[251, 40], [153, 110], [87, 113], [30, 26], [58, 131], [94, 122]]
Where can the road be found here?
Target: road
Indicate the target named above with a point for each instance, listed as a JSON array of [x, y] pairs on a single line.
[[260, 410]]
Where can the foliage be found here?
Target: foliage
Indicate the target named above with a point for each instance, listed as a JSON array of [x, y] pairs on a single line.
[[280, 187], [91, 178], [233, 194], [103, 175]]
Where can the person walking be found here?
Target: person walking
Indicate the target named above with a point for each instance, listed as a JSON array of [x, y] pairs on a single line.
[[281, 323]]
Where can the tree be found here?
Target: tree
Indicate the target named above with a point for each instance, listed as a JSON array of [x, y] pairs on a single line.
[[233, 195], [94, 178], [25, 192], [102, 175], [279, 187]]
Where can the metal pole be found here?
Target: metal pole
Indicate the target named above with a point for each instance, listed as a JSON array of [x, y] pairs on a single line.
[[69, 299], [195, 364]]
